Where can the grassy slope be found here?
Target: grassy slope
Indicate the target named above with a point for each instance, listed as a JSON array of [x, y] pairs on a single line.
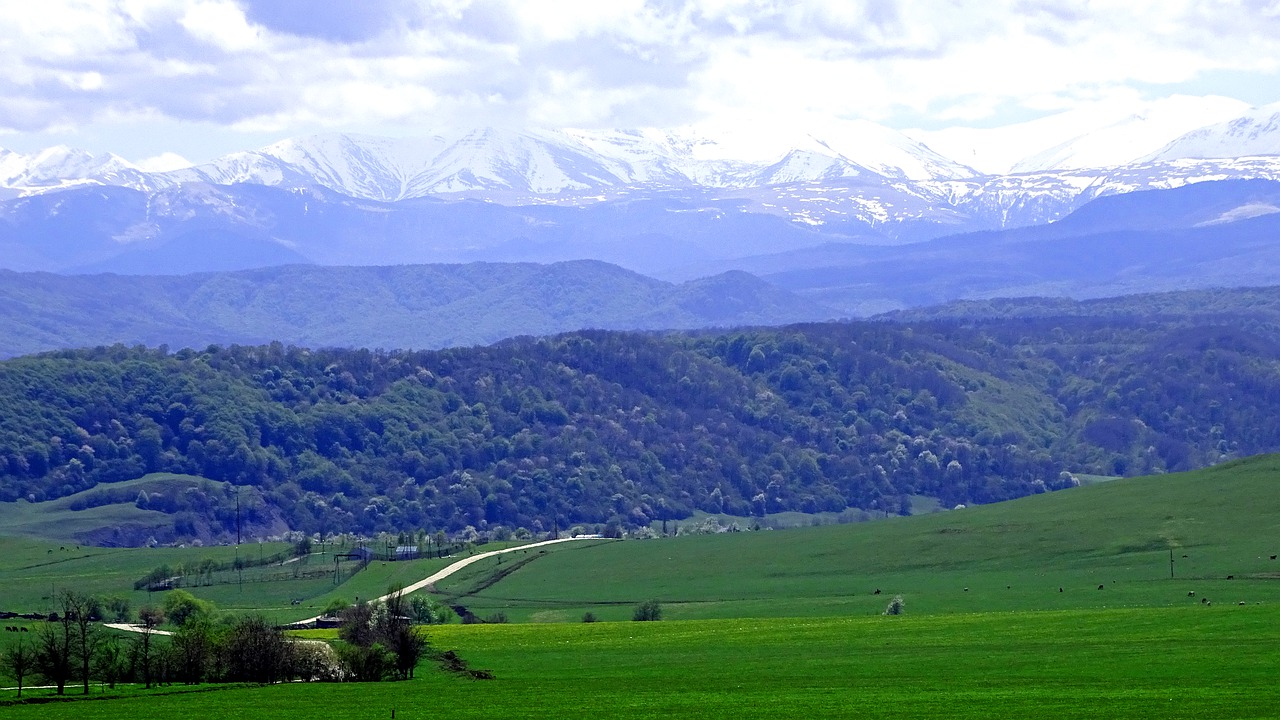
[[55, 520], [1192, 662], [1011, 556], [1184, 661]]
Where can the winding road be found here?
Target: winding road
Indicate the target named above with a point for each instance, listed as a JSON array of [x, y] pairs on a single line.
[[456, 566], [425, 582]]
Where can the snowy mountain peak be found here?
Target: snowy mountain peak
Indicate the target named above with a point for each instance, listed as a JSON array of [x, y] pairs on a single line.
[[63, 166], [1108, 134], [1255, 133]]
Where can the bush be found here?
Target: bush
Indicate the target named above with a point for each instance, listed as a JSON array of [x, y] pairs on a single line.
[[365, 664], [182, 607], [497, 618], [648, 610], [588, 617], [896, 606]]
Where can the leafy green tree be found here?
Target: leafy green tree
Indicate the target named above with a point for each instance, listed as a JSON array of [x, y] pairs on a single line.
[[647, 611], [181, 607]]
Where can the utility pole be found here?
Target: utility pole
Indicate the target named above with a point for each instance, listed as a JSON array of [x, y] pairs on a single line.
[[1170, 563], [237, 516]]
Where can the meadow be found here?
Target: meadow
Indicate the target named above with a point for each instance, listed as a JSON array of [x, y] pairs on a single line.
[[1190, 662], [1107, 545], [1058, 605]]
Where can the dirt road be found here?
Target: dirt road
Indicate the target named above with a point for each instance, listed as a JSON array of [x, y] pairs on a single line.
[[455, 567]]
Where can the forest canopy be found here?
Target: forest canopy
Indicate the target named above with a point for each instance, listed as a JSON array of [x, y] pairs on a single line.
[[635, 427]]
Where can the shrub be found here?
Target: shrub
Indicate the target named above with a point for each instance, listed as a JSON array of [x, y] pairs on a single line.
[[588, 617], [647, 611], [895, 607]]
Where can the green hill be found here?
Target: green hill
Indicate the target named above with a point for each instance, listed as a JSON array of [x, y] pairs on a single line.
[[413, 306], [1221, 524], [625, 429]]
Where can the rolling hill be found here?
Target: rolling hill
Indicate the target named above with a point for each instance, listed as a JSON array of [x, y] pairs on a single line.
[[422, 306], [1103, 546]]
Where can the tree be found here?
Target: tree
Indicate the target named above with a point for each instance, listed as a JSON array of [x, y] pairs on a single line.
[[381, 630], [80, 608], [256, 651], [194, 645], [19, 660], [109, 663], [56, 648], [896, 606], [141, 652], [182, 607], [648, 610], [117, 608], [356, 624]]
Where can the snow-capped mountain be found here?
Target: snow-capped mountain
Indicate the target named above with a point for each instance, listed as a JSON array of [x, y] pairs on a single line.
[[60, 167], [537, 162], [1093, 136], [1254, 133], [861, 179]]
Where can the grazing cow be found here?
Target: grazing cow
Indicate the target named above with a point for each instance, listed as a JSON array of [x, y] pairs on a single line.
[[1059, 589], [24, 629], [1101, 587], [877, 592], [1231, 577], [966, 589], [1192, 593], [1241, 602], [1273, 557]]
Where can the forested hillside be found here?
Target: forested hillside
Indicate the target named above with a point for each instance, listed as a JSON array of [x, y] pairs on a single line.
[[626, 427], [412, 306]]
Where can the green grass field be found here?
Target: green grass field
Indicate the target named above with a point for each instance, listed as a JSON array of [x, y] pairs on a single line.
[[1220, 522], [1004, 617], [55, 520], [1193, 662]]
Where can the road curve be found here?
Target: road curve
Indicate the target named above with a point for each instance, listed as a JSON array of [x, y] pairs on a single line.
[[455, 567], [433, 578]]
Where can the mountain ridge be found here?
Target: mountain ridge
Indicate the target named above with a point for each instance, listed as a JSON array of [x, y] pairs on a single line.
[[417, 306]]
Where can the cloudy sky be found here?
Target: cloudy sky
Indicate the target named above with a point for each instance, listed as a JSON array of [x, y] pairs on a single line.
[[204, 77]]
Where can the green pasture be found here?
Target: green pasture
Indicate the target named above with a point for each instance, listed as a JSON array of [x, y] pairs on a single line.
[[55, 520], [31, 569], [1190, 662], [1044, 552]]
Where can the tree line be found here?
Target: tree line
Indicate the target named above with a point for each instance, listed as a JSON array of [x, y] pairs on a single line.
[[631, 428], [378, 641]]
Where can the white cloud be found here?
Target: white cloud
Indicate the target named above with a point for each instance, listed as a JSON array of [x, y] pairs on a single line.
[[163, 163], [223, 24], [616, 63]]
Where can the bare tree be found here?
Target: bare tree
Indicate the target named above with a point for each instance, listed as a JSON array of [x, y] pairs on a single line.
[[55, 647], [19, 660], [79, 608]]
